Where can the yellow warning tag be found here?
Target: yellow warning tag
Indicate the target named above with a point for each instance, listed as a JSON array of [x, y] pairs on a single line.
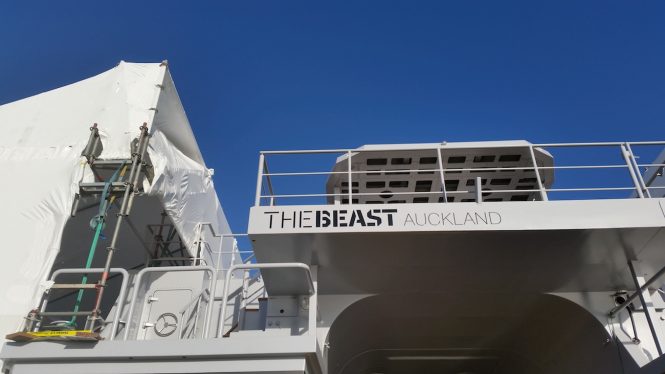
[[60, 333]]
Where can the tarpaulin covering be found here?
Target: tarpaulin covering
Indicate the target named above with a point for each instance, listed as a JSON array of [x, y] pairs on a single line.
[[41, 165]]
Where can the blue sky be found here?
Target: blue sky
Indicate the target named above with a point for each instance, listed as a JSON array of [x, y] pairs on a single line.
[[257, 75]]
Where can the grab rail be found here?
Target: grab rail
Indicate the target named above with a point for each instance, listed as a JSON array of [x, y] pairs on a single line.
[[137, 285], [637, 180], [121, 295], [282, 265]]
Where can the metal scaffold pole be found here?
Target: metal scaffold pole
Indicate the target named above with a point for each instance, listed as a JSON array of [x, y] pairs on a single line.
[[125, 209]]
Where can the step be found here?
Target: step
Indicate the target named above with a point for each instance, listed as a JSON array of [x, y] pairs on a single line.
[[110, 164], [66, 314], [115, 164], [98, 187], [73, 286]]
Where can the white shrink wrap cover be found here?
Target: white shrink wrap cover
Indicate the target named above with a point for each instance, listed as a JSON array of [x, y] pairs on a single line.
[[40, 160]]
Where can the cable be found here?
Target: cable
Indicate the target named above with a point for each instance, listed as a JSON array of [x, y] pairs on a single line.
[[99, 221]]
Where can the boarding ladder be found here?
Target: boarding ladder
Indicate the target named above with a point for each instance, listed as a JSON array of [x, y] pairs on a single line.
[[123, 182]]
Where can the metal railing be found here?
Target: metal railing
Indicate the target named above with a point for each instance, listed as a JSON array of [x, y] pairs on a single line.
[[216, 254], [210, 258], [641, 288], [627, 160], [191, 313], [121, 295], [246, 267], [240, 260], [137, 288]]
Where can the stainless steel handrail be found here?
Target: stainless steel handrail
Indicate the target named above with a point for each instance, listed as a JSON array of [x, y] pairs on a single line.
[[137, 286], [641, 189], [221, 237], [218, 265], [196, 301], [121, 295], [268, 181], [443, 146], [641, 288], [580, 189], [281, 265], [453, 170]]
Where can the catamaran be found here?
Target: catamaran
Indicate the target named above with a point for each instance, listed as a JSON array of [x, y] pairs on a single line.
[[448, 257]]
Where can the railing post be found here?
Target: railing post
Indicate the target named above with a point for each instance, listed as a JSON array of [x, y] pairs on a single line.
[[637, 170], [543, 193], [441, 174], [199, 248], [259, 180], [233, 254], [635, 294], [219, 254], [479, 190], [121, 296], [348, 161], [266, 173], [645, 307], [629, 163], [208, 315]]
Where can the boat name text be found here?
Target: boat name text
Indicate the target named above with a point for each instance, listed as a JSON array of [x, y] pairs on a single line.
[[333, 218]]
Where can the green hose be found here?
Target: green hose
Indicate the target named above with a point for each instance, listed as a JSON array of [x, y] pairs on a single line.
[[99, 225], [88, 264]]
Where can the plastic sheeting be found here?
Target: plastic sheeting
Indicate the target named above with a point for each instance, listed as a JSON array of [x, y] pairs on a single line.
[[40, 146]]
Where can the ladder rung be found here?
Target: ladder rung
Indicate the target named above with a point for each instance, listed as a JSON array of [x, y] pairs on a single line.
[[111, 163], [98, 187], [60, 314], [74, 286], [114, 164]]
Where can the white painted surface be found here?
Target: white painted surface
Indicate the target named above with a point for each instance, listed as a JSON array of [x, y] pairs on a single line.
[[530, 215], [40, 146]]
